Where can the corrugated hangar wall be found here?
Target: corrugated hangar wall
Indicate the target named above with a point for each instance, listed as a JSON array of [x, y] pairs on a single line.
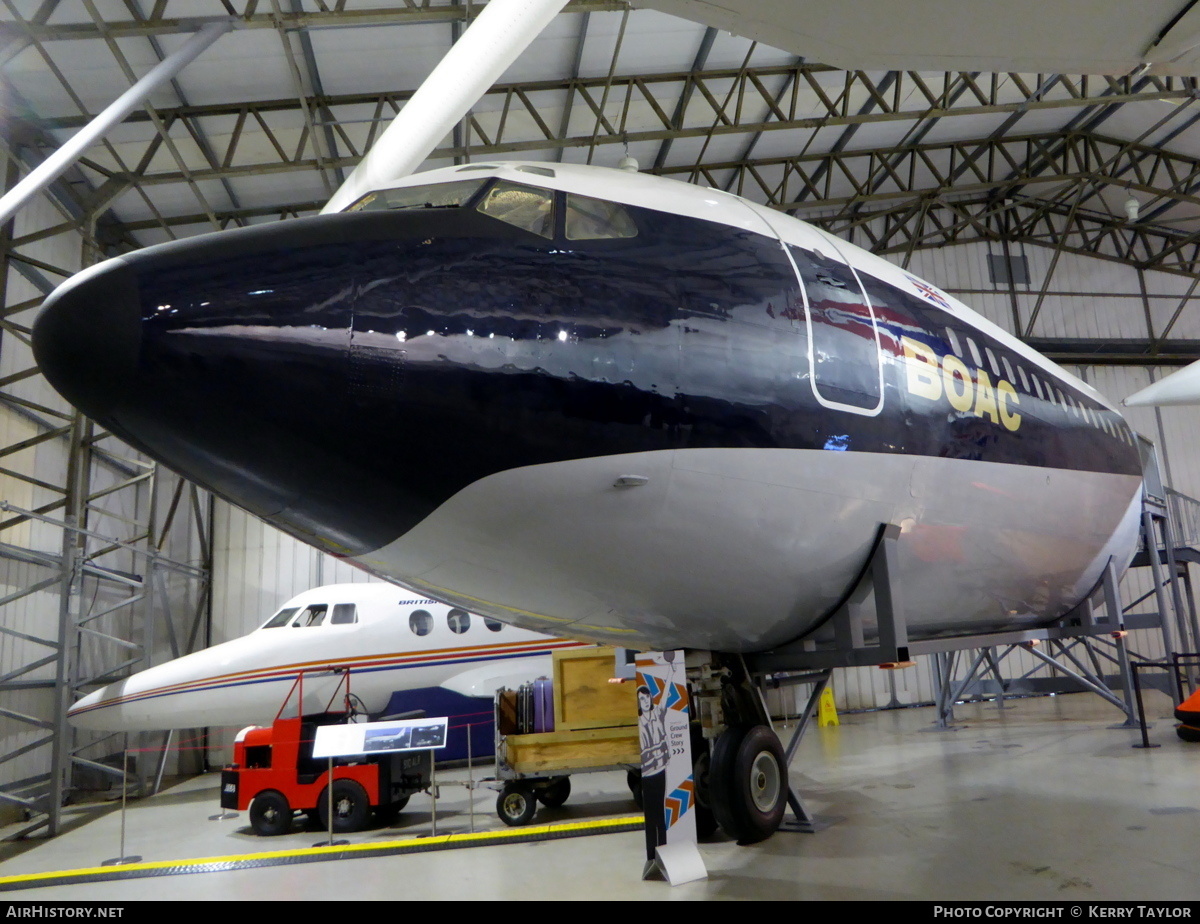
[[257, 568]]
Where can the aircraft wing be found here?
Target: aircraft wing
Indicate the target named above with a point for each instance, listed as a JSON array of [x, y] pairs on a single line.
[[1182, 387], [486, 679], [1039, 36]]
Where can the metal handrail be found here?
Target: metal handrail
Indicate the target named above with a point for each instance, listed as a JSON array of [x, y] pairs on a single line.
[[1185, 518]]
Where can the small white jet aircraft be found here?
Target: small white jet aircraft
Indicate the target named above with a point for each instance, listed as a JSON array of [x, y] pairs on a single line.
[[403, 652]]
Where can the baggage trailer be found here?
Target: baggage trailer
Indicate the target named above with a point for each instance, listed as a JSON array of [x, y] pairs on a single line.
[[594, 727]]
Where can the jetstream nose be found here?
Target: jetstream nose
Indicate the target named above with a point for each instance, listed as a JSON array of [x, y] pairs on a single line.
[[88, 712]]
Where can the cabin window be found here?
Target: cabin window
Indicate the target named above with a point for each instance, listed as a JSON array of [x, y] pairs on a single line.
[[524, 206], [1024, 381], [282, 617], [954, 344], [597, 220], [1037, 386], [992, 364], [975, 353], [313, 616], [458, 620], [431, 196], [344, 614], [1008, 370], [494, 625], [421, 622]]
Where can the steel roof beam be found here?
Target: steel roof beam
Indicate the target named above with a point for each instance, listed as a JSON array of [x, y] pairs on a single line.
[[338, 17], [698, 63]]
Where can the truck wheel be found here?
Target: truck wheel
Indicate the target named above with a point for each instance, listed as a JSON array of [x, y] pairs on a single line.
[[557, 793], [270, 814], [351, 808], [516, 804]]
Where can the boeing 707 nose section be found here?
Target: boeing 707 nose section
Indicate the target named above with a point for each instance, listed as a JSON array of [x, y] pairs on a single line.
[[216, 357], [344, 376], [320, 373]]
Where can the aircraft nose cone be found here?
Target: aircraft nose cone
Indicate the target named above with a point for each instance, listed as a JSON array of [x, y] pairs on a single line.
[[85, 714], [86, 339]]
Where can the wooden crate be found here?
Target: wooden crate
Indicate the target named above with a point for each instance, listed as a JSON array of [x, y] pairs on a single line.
[[583, 696], [573, 750]]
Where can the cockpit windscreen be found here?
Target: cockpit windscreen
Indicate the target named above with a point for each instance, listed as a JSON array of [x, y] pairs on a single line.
[[432, 196]]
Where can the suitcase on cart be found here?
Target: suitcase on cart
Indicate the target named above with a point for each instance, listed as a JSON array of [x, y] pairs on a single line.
[[543, 705]]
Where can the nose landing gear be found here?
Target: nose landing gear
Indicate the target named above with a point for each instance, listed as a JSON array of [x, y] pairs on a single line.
[[747, 780]]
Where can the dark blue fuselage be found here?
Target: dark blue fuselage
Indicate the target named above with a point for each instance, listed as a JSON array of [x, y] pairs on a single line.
[[343, 376]]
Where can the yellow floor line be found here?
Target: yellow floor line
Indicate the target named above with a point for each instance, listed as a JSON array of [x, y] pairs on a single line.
[[313, 854]]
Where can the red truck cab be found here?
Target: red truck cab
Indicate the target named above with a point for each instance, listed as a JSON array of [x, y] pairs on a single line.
[[275, 775]]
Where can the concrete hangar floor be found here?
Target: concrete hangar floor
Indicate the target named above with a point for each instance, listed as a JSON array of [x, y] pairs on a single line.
[[1043, 800]]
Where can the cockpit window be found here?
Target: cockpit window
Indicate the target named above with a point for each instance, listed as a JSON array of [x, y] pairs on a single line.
[[523, 206], [595, 219], [313, 616], [433, 196], [281, 618], [344, 614]]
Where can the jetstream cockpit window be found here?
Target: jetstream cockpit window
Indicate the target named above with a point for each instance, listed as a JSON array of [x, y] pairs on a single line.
[[313, 616], [281, 618], [595, 220], [523, 206], [433, 196]]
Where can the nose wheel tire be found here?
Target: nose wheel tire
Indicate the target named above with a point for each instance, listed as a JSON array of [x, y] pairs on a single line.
[[516, 804], [270, 814], [351, 807], [706, 823], [748, 783]]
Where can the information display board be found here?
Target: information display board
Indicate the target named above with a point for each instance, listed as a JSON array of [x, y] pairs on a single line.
[[380, 737]]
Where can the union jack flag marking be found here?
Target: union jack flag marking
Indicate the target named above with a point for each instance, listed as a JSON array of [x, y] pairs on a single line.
[[928, 291]]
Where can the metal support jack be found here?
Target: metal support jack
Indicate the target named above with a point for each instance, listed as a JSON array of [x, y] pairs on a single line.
[[803, 821]]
